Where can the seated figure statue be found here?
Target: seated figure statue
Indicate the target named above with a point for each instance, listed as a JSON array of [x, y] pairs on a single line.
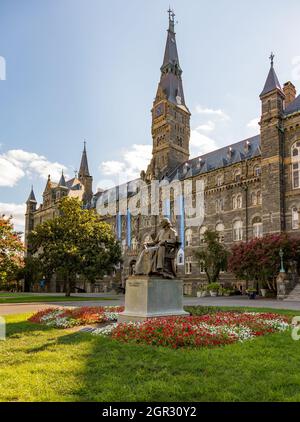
[[158, 257]]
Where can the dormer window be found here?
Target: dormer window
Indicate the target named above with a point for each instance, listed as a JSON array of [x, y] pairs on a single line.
[[247, 146], [229, 152]]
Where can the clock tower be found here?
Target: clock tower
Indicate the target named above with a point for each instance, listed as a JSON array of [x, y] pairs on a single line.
[[170, 115]]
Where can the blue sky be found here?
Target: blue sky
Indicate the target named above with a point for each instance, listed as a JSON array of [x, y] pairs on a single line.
[[88, 69]]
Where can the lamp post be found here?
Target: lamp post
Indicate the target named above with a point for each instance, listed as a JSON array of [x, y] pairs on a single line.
[[282, 270]]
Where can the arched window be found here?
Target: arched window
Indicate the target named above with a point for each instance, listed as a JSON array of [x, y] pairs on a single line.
[[202, 233], [237, 175], [257, 171], [296, 165], [258, 197], [234, 202], [220, 180], [295, 218], [188, 265], [239, 201], [220, 230], [253, 198], [180, 257], [188, 237], [219, 205], [257, 227], [238, 231], [202, 267]]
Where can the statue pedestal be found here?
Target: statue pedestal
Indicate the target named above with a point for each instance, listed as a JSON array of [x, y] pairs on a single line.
[[152, 297]]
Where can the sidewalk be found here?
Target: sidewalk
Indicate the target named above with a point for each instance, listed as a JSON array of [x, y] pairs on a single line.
[[243, 301]]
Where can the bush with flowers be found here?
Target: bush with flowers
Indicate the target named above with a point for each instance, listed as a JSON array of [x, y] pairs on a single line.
[[67, 318], [208, 330]]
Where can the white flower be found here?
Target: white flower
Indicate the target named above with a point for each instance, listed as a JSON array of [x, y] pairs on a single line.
[[105, 331]]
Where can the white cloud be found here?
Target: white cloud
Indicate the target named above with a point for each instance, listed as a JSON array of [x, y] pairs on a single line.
[[111, 168], [9, 172], [200, 143], [253, 124], [207, 127], [211, 112], [133, 161], [16, 163], [17, 211]]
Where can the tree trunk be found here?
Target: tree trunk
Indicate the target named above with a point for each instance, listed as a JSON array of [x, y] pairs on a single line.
[[68, 286]]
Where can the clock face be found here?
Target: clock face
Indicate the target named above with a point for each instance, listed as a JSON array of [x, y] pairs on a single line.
[[159, 110]]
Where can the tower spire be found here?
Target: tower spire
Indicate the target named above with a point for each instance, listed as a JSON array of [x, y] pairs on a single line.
[[171, 19], [84, 168], [170, 115], [170, 81]]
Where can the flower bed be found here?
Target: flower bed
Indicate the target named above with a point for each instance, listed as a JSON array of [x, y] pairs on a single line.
[[67, 318], [197, 331]]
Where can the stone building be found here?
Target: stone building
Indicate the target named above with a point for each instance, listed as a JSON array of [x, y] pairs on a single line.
[[252, 187], [79, 187]]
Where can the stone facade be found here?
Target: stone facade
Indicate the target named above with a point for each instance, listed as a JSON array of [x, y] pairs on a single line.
[[252, 187]]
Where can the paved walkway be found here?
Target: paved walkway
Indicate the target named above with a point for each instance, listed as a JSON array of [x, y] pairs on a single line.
[[18, 308]]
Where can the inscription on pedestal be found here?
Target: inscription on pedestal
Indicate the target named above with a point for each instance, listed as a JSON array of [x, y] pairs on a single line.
[[152, 297]]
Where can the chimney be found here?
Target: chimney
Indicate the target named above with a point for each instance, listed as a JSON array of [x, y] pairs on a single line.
[[289, 92]]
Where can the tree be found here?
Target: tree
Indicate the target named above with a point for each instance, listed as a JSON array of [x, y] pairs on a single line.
[[11, 251], [76, 242], [258, 260], [213, 256]]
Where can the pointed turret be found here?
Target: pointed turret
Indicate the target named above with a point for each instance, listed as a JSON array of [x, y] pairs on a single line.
[[84, 168], [31, 197], [29, 215], [85, 178], [62, 180], [272, 82]]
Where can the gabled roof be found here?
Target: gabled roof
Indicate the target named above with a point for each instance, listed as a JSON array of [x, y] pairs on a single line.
[[226, 156], [293, 106], [231, 154]]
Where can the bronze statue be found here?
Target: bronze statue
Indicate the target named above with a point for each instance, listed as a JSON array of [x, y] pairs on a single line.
[[158, 257]]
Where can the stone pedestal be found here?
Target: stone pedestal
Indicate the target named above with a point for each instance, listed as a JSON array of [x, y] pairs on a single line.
[[151, 297]]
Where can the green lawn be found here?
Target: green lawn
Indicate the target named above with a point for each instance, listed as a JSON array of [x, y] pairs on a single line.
[[29, 298], [45, 364]]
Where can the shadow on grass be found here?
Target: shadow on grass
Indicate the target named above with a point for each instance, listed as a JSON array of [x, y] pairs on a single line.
[[18, 328], [113, 371]]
